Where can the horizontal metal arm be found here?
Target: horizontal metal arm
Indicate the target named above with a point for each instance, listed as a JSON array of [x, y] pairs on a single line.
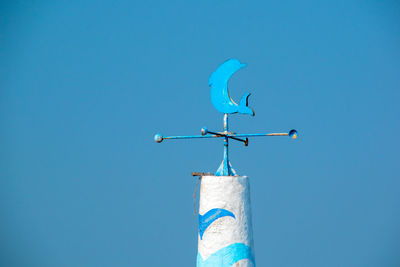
[[159, 138], [255, 135], [192, 136], [292, 134], [207, 134]]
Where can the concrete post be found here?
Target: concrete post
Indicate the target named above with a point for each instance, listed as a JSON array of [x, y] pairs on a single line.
[[225, 228]]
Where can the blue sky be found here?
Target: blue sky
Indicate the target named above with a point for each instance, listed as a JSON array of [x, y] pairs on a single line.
[[86, 85]]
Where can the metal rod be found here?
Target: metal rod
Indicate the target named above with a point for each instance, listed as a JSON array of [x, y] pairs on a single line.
[[225, 135], [219, 134], [255, 135], [226, 144], [238, 139], [229, 136], [191, 136]]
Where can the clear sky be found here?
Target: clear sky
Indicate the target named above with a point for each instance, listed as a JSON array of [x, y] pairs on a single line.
[[85, 85]]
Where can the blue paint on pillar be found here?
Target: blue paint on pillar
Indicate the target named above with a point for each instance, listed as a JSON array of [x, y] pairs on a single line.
[[210, 216], [227, 256]]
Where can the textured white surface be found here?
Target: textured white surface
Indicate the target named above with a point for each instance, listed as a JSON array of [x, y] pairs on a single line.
[[233, 194]]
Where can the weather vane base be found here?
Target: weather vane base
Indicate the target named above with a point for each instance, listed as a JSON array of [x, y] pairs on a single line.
[[225, 170]]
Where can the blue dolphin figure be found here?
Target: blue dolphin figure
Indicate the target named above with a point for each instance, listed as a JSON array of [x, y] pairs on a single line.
[[220, 97], [210, 216]]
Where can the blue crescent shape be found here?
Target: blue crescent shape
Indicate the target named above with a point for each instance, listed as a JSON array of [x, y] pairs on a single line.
[[210, 216], [227, 256], [220, 97]]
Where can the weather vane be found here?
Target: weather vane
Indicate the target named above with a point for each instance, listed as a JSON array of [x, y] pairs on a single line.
[[225, 196], [223, 102]]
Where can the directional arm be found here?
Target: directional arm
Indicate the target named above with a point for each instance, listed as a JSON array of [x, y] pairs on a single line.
[[159, 138], [256, 135], [225, 169], [208, 134], [292, 134], [245, 141]]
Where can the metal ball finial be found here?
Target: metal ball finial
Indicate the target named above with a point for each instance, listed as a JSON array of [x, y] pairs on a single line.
[[158, 138], [204, 131], [293, 134]]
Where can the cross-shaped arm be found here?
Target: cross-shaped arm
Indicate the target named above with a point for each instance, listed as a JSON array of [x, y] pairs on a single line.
[[225, 168], [208, 134]]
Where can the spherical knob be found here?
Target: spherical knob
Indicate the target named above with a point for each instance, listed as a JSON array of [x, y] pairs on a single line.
[[158, 138], [204, 131], [293, 134]]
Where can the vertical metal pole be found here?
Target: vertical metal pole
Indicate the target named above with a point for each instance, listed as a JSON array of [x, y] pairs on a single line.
[[226, 171]]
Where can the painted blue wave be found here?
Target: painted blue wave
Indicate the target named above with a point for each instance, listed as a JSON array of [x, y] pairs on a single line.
[[210, 216], [227, 256]]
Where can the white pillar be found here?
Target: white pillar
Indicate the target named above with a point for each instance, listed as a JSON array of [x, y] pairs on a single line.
[[225, 228]]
